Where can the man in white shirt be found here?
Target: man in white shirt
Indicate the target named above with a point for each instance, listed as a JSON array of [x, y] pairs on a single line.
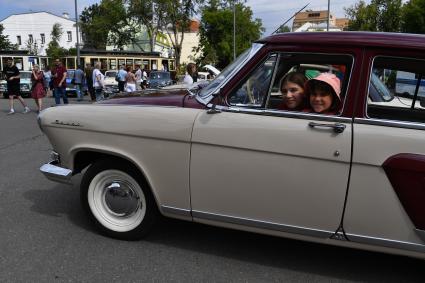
[[138, 75], [98, 83]]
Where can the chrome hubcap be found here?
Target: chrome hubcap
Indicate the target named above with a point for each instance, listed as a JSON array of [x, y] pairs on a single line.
[[121, 198]]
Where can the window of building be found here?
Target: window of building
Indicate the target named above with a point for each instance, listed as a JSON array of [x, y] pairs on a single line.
[[397, 89], [19, 40], [69, 35], [314, 15], [43, 38], [30, 39]]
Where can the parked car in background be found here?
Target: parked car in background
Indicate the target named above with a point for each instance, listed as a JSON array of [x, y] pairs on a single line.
[[159, 79], [70, 87], [227, 154], [111, 85], [25, 85]]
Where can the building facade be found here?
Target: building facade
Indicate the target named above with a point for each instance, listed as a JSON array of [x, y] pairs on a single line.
[[318, 18], [31, 31]]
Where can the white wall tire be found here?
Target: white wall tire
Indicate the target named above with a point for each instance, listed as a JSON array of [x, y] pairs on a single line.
[[118, 200]]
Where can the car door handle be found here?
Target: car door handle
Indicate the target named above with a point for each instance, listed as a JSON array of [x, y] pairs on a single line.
[[336, 127]]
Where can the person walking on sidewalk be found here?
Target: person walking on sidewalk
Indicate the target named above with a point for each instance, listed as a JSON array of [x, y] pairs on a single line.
[[122, 74], [59, 83], [78, 82], [13, 79], [37, 91], [98, 81]]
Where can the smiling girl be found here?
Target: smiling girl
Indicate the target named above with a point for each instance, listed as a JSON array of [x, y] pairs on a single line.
[[292, 88], [324, 94]]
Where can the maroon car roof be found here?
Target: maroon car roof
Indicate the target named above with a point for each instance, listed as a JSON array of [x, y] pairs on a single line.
[[360, 39]]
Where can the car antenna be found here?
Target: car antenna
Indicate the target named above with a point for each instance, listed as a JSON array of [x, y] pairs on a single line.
[[282, 25]]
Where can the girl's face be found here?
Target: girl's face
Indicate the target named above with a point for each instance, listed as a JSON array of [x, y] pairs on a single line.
[[293, 95], [321, 101]]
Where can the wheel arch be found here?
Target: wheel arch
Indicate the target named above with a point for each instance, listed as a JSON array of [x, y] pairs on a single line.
[[84, 157]]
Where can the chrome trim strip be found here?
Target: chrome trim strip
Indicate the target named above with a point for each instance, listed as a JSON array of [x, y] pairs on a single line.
[[286, 114], [420, 233], [175, 210], [386, 243], [262, 224], [390, 123], [56, 173]]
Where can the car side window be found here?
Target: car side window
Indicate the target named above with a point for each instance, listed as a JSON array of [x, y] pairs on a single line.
[[254, 90], [300, 74], [397, 89]]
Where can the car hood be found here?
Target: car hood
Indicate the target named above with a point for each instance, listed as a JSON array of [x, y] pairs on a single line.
[[177, 98], [110, 81]]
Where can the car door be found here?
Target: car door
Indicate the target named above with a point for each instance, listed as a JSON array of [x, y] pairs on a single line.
[[385, 202], [270, 169]]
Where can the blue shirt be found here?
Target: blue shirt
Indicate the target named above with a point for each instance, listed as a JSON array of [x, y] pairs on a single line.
[[121, 75]]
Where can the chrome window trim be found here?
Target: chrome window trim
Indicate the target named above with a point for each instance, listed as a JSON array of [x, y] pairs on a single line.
[[284, 114], [370, 78], [389, 123], [262, 224], [386, 243], [175, 210]]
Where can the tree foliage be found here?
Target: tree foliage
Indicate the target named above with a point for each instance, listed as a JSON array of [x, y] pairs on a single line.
[[106, 23], [379, 15], [413, 15], [5, 43], [54, 50], [216, 32]]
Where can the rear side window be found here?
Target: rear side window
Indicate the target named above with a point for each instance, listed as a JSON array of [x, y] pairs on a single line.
[[397, 89]]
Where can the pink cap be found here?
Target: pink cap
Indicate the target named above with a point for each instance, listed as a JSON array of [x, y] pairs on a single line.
[[331, 80]]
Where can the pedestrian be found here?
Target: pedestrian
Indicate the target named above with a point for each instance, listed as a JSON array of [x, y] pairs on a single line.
[[47, 80], [78, 82], [13, 85], [130, 81], [191, 74], [59, 83], [89, 80], [98, 81], [144, 78], [122, 74], [38, 90], [138, 74]]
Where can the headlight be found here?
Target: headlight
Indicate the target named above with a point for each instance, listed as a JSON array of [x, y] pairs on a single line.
[[3, 87], [25, 87]]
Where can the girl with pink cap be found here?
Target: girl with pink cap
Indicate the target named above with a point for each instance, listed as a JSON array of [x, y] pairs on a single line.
[[323, 94]]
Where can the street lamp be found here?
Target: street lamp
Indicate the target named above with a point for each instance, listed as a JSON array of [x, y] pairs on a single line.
[[234, 30], [78, 37]]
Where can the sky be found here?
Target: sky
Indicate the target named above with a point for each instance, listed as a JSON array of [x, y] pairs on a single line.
[[272, 12]]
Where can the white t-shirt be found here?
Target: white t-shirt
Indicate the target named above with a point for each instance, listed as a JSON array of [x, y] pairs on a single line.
[[96, 83], [138, 75], [188, 79], [144, 76]]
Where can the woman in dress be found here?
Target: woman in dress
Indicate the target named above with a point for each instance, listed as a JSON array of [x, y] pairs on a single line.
[[38, 90]]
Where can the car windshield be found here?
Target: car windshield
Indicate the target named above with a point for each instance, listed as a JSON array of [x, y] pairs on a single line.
[[70, 74], [159, 75], [230, 69], [110, 74], [25, 75]]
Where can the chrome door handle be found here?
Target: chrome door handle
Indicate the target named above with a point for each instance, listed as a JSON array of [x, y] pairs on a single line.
[[337, 127]]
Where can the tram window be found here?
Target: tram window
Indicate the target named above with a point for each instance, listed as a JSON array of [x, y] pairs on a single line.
[[121, 62], [129, 63], [103, 63], [19, 62], [112, 64], [146, 64]]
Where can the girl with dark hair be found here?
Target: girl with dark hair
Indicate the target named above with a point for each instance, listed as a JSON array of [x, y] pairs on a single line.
[[324, 94], [292, 89]]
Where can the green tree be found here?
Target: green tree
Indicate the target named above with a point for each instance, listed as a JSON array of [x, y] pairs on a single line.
[[53, 49], [379, 15], [176, 22], [284, 29], [106, 23], [5, 44], [216, 31], [413, 16]]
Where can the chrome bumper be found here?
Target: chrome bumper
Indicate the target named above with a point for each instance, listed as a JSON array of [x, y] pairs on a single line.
[[56, 173]]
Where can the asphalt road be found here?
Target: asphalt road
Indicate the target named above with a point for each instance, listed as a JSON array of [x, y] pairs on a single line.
[[46, 237]]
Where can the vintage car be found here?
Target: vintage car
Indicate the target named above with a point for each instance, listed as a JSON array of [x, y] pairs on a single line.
[[159, 79], [226, 155], [25, 85], [111, 85]]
